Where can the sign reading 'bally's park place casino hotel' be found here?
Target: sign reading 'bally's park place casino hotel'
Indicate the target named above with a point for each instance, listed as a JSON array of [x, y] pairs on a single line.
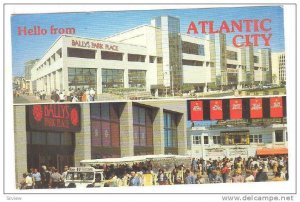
[[54, 117]]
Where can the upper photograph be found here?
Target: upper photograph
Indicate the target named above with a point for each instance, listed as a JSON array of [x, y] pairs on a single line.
[[148, 54]]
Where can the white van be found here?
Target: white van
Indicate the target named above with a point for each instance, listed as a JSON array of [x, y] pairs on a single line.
[[79, 177]]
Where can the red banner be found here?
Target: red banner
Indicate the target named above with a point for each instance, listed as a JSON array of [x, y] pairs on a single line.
[[196, 108], [216, 111], [236, 109], [256, 108], [276, 108]]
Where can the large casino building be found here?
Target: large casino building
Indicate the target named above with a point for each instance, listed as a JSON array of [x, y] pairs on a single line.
[[154, 58], [64, 134]]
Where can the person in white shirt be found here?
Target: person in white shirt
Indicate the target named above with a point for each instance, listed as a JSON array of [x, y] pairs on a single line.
[[61, 97], [249, 176], [28, 181], [92, 94], [74, 99]]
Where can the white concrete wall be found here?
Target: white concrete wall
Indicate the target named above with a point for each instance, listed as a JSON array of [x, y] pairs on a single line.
[[195, 74], [216, 150]]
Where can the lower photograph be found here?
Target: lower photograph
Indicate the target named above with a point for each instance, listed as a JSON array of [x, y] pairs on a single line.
[[151, 143]]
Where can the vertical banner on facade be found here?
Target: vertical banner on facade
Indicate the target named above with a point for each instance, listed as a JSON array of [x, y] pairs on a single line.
[[216, 111], [96, 133], [236, 109], [256, 108], [276, 107], [105, 134], [196, 108]]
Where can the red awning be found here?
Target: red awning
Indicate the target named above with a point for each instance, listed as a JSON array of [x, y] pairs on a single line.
[[274, 151]]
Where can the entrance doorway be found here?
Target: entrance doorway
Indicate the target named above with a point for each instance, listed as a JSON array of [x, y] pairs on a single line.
[[50, 149]]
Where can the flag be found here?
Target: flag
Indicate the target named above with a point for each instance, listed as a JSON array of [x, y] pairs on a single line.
[[256, 108], [236, 109], [276, 107], [216, 111], [196, 108]]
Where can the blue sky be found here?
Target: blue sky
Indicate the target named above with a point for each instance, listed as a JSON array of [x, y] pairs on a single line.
[[102, 24]]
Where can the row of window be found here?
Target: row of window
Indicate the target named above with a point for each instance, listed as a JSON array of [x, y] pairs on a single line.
[[51, 59], [50, 138], [197, 63], [105, 126], [83, 78], [232, 139], [192, 48], [109, 55]]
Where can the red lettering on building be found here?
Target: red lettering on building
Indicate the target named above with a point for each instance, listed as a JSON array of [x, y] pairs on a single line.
[[95, 45]]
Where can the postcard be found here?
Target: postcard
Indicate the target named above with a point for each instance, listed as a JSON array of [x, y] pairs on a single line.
[[154, 98]]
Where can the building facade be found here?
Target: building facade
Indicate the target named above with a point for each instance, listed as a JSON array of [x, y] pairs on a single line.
[[235, 127], [28, 66], [156, 58], [278, 68], [236, 141], [64, 134]]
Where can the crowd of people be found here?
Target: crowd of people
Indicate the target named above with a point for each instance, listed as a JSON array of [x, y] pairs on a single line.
[[200, 171], [79, 95], [252, 169], [44, 178]]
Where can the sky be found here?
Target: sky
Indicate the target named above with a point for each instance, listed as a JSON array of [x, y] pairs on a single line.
[[102, 24]]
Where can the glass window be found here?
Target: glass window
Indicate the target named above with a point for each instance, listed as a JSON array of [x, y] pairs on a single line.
[[135, 115], [256, 139], [205, 139], [136, 58], [66, 138], [267, 138], [152, 59], [190, 48], [95, 110], [256, 59], [201, 49], [106, 136], [104, 125], [82, 78], [142, 116], [196, 139], [159, 60], [108, 55], [96, 133], [236, 137], [112, 78], [137, 78], [217, 139], [231, 55], [170, 128], [38, 138], [81, 53], [142, 136], [136, 135], [192, 63], [53, 138], [105, 111], [142, 128], [279, 135]]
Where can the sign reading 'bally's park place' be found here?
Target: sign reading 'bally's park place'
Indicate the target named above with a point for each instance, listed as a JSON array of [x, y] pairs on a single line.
[[51, 117]]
